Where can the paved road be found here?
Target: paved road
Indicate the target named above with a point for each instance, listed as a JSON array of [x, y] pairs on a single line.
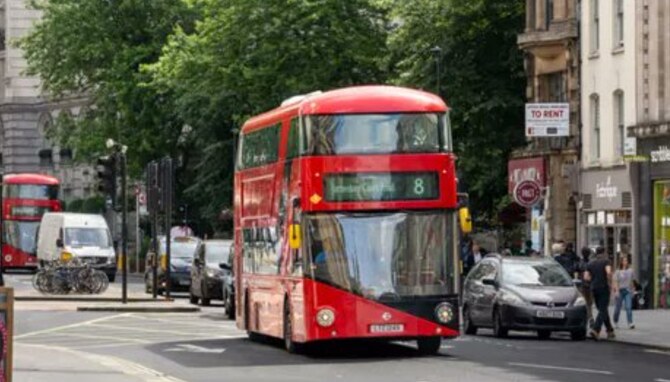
[[206, 347], [23, 285]]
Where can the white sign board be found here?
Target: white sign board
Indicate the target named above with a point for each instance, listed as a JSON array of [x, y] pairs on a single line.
[[547, 120]]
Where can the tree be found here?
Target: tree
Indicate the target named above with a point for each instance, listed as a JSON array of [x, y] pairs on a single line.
[[245, 57], [482, 79], [95, 48]]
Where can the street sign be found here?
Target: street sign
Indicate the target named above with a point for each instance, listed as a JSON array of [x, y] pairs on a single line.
[[527, 193], [547, 120]]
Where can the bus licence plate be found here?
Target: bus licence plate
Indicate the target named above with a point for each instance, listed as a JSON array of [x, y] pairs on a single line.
[[387, 328], [550, 314]]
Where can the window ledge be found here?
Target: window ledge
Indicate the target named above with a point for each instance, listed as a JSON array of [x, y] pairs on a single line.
[[618, 49], [594, 55]]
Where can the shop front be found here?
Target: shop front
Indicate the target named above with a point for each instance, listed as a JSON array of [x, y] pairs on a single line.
[[653, 198], [606, 218]]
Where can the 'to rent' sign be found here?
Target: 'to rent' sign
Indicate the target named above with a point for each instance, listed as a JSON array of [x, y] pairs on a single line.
[[547, 120]]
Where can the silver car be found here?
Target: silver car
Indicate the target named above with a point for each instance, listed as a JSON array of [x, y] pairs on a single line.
[[521, 293]]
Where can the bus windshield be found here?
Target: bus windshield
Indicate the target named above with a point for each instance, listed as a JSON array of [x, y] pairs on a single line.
[[88, 237], [343, 134], [382, 255], [31, 191], [21, 235]]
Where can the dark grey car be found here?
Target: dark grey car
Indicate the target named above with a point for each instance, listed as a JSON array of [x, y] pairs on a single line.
[[519, 293]]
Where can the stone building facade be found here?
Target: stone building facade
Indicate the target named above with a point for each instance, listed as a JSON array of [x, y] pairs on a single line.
[[550, 43], [26, 116]]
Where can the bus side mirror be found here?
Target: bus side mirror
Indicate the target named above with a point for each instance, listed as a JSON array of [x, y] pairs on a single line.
[[294, 236], [59, 243], [465, 220]]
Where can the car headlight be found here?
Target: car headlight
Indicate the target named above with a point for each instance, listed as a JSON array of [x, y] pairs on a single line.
[[444, 313], [512, 299], [325, 317], [211, 272], [580, 301]]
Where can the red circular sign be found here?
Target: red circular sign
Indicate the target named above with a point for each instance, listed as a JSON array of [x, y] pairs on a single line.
[[527, 193]]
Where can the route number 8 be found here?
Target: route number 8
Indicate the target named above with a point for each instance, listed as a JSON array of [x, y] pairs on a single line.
[[419, 187]]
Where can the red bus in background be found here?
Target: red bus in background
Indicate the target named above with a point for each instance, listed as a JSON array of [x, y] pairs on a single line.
[[25, 198], [346, 219]]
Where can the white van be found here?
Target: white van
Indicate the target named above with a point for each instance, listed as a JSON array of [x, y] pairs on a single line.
[[85, 236]]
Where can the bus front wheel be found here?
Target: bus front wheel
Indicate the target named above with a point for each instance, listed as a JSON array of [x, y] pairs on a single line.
[[289, 344], [429, 345]]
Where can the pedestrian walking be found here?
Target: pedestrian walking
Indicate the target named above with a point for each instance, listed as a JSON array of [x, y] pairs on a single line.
[[599, 274], [585, 287], [623, 291]]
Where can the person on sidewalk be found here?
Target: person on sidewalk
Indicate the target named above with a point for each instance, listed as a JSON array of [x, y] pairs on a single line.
[[585, 288], [623, 291], [599, 274]]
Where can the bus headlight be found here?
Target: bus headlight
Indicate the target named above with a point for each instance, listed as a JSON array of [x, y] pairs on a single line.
[[65, 256], [444, 313], [325, 317]]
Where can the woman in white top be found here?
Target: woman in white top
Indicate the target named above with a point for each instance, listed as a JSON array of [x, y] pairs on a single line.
[[623, 291]]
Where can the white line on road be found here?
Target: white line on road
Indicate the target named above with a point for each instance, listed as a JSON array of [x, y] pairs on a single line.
[[574, 369], [661, 380], [656, 351], [59, 328]]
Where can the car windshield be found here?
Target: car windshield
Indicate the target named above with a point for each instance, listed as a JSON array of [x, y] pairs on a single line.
[[21, 235], [88, 237], [342, 134], [535, 274], [382, 255], [217, 252], [181, 249]]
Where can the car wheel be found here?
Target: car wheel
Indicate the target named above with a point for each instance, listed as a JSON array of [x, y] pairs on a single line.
[[228, 306], [499, 330], [205, 301], [468, 326], [578, 335], [543, 334], [111, 278], [289, 344], [429, 345]]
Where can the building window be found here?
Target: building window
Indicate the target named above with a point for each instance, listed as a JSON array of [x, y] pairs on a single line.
[[46, 158], [595, 26], [620, 132], [552, 87], [531, 18], [595, 127], [548, 13], [618, 23]]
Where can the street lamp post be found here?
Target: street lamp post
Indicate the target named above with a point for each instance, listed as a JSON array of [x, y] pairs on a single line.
[[437, 53]]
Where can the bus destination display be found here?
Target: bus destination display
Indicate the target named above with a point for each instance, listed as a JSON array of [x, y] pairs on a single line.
[[366, 187]]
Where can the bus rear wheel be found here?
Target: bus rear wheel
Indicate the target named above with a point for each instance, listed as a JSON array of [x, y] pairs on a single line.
[[429, 345]]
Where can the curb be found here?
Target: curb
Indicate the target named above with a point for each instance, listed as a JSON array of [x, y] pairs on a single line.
[[81, 299], [659, 347], [139, 309]]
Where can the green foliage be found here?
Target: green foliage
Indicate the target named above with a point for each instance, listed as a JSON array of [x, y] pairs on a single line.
[[93, 205], [481, 78], [95, 48]]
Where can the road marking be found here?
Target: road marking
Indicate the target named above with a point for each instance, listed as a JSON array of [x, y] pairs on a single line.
[[59, 328], [575, 369], [656, 351], [661, 380], [121, 365], [194, 349]]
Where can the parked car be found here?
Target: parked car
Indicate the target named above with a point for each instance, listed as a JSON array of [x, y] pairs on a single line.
[[229, 283], [206, 275], [63, 236], [182, 252], [528, 294]]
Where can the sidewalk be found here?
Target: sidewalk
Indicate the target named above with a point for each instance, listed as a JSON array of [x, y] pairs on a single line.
[[35, 363], [652, 329]]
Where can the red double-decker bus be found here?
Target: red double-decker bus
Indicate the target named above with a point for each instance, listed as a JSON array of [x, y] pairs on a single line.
[[25, 198], [345, 219]]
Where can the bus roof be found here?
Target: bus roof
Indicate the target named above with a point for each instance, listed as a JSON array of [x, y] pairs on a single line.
[[30, 179], [355, 100]]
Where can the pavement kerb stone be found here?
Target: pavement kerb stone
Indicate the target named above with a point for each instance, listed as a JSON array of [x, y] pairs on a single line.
[[657, 346], [138, 309]]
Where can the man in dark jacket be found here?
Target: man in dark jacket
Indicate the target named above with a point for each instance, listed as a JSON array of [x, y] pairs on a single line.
[[599, 274]]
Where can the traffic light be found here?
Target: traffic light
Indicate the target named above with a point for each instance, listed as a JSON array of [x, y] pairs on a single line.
[[107, 176]]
